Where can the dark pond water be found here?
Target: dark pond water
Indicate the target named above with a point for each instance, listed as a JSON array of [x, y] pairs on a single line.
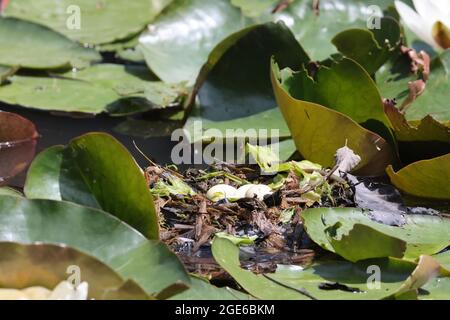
[[54, 130]]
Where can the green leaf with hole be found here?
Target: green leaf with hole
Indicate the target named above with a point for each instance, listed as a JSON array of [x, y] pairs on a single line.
[[97, 171], [90, 22], [423, 234], [362, 242], [425, 179], [149, 263], [29, 45]]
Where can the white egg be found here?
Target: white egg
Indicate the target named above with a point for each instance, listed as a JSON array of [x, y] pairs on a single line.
[[242, 191], [259, 191], [220, 192]]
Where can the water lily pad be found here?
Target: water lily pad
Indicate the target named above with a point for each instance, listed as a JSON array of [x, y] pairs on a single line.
[[234, 85], [314, 30], [344, 87], [426, 178], [255, 8], [370, 48], [149, 263], [419, 140], [423, 234], [135, 81], [201, 289], [30, 45], [326, 280], [100, 21], [116, 89], [46, 265], [17, 145], [97, 171], [6, 72], [319, 131], [6, 191], [179, 41], [57, 94], [362, 242]]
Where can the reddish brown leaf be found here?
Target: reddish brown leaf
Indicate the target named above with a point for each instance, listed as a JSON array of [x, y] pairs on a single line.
[[17, 145]]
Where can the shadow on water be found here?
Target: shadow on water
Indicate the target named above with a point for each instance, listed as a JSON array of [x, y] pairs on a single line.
[[57, 130]]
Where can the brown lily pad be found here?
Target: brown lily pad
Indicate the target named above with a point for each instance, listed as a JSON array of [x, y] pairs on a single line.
[[17, 145]]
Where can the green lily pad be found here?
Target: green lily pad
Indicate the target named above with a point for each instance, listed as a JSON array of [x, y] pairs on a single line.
[[314, 31], [297, 283], [370, 48], [393, 78], [344, 87], [135, 81], [97, 171], [234, 85], [423, 235], [444, 261], [201, 289], [362, 242], [149, 263], [425, 179], [436, 289], [5, 191], [30, 45], [6, 72], [319, 131], [57, 94], [100, 21], [116, 89], [179, 41], [46, 265], [255, 8]]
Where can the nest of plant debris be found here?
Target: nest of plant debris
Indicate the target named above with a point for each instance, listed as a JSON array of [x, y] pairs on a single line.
[[189, 220]]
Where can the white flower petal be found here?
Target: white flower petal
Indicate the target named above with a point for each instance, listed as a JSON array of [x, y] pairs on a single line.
[[443, 6], [433, 10], [416, 23], [426, 10]]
